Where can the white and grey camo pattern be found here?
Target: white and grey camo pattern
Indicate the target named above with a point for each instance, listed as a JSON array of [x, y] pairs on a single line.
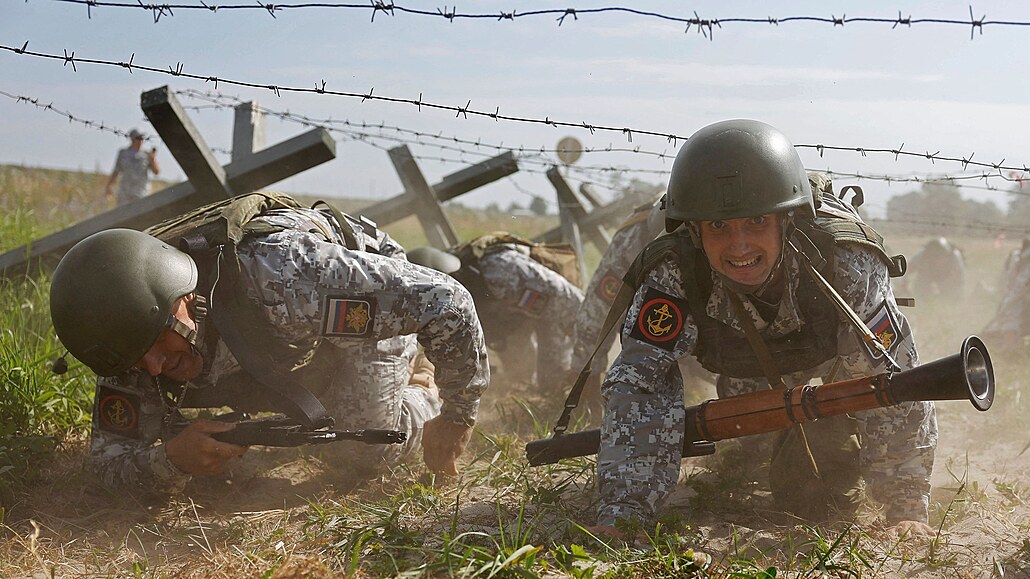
[[625, 245], [643, 424], [537, 298], [291, 273]]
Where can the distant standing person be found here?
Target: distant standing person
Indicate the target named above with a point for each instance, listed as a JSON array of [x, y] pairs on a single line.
[[133, 165]]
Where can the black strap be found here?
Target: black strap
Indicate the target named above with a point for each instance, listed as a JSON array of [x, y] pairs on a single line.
[[765, 359], [227, 309], [342, 225], [619, 306]]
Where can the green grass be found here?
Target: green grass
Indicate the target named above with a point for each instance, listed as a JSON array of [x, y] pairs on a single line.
[[498, 519]]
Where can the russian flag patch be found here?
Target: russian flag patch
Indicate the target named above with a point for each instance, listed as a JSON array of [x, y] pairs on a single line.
[[532, 301], [884, 326], [345, 316]]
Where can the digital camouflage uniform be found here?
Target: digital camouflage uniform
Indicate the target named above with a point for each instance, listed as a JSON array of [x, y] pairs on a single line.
[[364, 308], [938, 269], [518, 299], [643, 425], [1011, 323], [628, 241]]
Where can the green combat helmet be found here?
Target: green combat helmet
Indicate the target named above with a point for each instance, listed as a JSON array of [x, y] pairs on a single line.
[[112, 295], [434, 258], [736, 168]]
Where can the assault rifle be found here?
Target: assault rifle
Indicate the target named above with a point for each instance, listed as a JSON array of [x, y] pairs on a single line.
[[280, 430], [966, 375]]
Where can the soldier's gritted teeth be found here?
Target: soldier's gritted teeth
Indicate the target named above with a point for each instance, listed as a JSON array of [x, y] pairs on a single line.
[[745, 250]]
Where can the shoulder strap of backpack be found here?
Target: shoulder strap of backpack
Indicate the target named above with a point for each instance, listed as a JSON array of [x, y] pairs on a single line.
[[650, 257]]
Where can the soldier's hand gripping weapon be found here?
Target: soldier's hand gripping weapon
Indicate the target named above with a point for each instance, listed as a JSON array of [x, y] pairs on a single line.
[[968, 374], [280, 430]]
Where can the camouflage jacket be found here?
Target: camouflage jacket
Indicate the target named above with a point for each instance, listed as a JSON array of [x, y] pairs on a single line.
[[627, 242], [514, 291], [306, 285], [643, 425]]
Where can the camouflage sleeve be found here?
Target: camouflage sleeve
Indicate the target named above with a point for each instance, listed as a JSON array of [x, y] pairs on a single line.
[[898, 443], [125, 453], [601, 292], [524, 287], [642, 429], [312, 289]]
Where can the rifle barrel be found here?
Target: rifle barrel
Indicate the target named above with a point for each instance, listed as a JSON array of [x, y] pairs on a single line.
[[966, 375]]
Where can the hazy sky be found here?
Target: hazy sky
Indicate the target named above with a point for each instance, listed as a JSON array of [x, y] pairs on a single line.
[[928, 86]]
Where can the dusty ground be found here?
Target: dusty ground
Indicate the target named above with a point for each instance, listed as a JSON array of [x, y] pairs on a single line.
[[276, 509]]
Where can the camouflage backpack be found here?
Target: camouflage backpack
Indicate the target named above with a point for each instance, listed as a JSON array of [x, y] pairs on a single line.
[[557, 257]]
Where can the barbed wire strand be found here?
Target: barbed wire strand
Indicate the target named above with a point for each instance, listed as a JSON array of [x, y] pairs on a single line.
[[464, 111], [703, 26], [536, 156]]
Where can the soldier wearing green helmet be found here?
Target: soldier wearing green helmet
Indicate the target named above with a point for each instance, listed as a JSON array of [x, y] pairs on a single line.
[[260, 304], [112, 297], [768, 279]]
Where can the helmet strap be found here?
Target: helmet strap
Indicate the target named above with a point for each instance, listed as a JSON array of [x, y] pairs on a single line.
[[197, 308]]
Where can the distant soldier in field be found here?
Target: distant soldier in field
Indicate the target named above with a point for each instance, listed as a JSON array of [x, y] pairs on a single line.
[[132, 169], [265, 306], [1010, 327], [521, 298], [741, 284], [937, 270]]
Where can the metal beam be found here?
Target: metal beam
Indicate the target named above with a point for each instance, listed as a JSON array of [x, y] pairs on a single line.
[[439, 231], [248, 130], [568, 200], [451, 186], [615, 211], [186, 144], [255, 172]]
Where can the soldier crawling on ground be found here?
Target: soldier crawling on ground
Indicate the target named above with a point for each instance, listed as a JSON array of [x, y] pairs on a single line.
[[1010, 326], [937, 270], [521, 299], [737, 285], [268, 306]]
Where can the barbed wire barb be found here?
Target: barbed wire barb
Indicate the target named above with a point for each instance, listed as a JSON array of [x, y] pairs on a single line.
[[975, 24]]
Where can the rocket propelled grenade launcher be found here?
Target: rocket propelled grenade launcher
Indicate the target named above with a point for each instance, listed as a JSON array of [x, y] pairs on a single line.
[[967, 375]]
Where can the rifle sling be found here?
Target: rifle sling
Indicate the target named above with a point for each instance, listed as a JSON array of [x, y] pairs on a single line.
[[619, 306], [772, 373], [281, 389]]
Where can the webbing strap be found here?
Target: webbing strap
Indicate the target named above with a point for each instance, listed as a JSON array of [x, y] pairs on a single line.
[[772, 373], [281, 389], [619, 306], [342, 226]]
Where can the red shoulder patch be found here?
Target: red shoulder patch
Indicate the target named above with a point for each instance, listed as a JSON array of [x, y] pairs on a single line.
[[609, 288], [118, 411], [660, 320]]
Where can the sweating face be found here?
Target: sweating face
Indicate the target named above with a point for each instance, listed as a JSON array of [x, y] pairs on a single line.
[[171, 355], [745, 249]]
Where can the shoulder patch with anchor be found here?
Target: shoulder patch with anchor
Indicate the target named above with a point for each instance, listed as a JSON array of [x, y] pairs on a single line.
[[118, 411], [660, 320], [350, 317], [609, 288]]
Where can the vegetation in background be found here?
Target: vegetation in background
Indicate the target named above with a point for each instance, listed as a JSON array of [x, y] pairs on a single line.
[[281, 513]]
